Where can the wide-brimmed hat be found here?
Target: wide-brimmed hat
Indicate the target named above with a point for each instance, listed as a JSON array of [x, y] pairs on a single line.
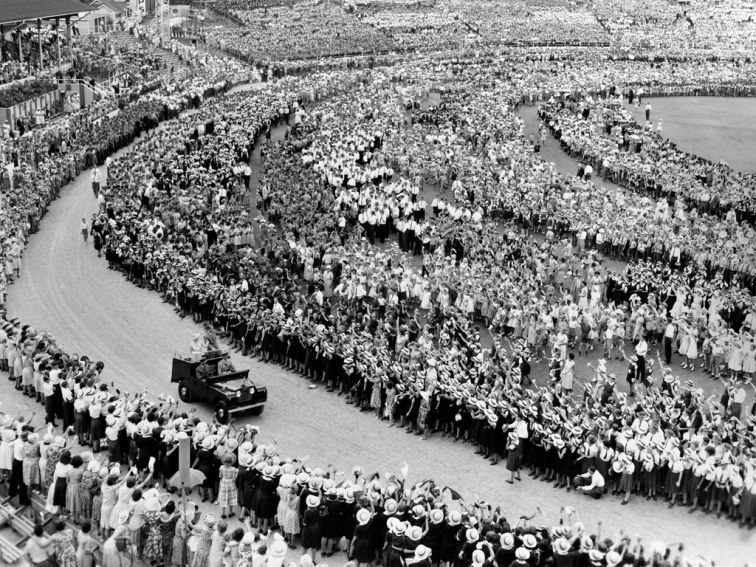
[[507, 540], [522, 554], [363, 516], [312, 501], [561, 546], [278, 549], [422, 552], [390, 507], [529, 541], [436, 516], [472, 535]]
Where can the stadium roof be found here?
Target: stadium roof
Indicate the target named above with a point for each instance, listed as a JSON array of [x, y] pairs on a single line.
[[13, 11]]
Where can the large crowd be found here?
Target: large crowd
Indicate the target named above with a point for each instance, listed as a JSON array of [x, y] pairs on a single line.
[[114, 473], [415, 254]]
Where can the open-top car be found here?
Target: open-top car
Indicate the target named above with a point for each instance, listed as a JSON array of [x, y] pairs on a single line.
[[211, 377]]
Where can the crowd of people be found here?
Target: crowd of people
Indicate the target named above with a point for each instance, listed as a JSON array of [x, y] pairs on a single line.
[[112, 481], [417, 256], [405, 342]]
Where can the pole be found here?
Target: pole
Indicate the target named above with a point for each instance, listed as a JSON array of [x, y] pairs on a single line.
[[57, 38], [39, 41], [68, 36]]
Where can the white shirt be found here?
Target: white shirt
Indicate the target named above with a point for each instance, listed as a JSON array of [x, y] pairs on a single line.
[[597, 481]]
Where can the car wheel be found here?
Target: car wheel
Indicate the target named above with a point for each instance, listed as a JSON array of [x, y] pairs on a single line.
[[184, 393], [221, 413], [257, 411]]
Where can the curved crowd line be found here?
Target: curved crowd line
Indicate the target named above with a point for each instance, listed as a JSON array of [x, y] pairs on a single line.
[[258, 299]]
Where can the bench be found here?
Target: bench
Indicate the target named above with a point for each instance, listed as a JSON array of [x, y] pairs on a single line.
[[19, 524], [9, 551]]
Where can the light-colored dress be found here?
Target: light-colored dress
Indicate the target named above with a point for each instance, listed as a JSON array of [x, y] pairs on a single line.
[[227, 496], [85, 549], [73, 492]]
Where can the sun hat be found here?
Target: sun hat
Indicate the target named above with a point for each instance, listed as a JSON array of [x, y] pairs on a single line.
[[529, 541], [312, 501], [613, 559], [415, 533], [586, 543], [478, 557], [363, 516], [507, 541], [562, 546], [522, 554], [400, 528], [278, 549], [390, 507], [422, 552], [454, 518], [436, 516], [472, 535]]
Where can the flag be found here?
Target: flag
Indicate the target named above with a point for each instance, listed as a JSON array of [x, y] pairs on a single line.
[[453, 493]]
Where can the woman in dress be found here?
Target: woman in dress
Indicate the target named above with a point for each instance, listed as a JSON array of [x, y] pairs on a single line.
[[64, 545], [361, 548], [227, 496], [217, 544], [749, 359], [691, 354], [56, 494], [88, 486], [204, 535], [181, 533], [168, 519], [311, 527], [53, 454], [30, 465], [73, 491], [735, 363], [290, 524], [153, 545], [116, 551], [86, 546], [266, 499]]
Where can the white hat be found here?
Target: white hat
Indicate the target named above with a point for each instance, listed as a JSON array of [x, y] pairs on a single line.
[[472, 535], [278, 549], [422, 552], [363, 516], [522, 554]]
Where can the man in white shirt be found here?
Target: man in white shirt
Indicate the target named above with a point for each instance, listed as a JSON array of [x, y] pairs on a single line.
[[736, 402], [595, 483], [669, 335], [641, 349]]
